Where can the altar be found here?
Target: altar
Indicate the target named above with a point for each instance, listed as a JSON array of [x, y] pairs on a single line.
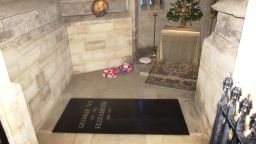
[[179, 45]]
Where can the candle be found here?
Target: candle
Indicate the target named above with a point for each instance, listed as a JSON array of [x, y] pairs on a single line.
[[156, 4]]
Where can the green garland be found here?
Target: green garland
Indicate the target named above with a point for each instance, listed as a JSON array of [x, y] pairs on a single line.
[[189, 9]]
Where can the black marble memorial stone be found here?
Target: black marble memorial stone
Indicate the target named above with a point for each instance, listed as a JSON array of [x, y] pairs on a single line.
[[123, 116]]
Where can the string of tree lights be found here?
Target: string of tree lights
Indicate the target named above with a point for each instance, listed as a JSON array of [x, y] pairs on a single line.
[[185, 11]]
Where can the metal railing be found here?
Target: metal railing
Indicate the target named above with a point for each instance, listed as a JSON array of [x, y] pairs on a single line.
[[225, 124]]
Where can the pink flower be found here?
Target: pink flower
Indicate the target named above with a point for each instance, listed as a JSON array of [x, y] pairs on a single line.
[[110, 73]]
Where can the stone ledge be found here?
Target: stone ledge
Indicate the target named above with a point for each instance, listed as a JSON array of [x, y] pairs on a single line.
[[84, 7], [90, 18], [237, 8]]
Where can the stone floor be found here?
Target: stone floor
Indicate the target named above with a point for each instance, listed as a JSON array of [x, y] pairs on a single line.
[[130, 86]]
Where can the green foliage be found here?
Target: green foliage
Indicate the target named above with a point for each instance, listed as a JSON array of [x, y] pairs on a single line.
[[188, 9]]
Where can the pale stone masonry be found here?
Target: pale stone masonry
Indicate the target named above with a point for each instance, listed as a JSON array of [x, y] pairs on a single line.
[[146, 25], [83, 7], [218, 58], [100, 44], [20, 24], [14, 114], [36, 51], [39, 54], [35, 46]]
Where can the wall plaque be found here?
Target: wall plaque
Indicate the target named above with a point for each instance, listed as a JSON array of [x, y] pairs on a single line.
[[100, 8]]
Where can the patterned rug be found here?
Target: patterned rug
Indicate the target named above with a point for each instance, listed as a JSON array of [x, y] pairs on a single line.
[[174, 75]]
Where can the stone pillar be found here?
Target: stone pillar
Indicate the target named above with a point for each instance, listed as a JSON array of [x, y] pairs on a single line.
[[245, 69], [131, 6], [218, 58], [14, 114]]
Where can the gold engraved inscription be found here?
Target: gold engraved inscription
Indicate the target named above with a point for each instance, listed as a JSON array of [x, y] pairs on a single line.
[[100, 117], [109, 114], [85, 114]]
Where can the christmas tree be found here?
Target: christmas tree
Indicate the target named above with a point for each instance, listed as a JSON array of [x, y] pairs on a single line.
[[185, 11]]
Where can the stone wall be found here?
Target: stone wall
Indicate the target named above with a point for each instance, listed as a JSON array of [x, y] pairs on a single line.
[[146, 25], [100, 44], [207, 22], [217, 60], [244, 71], [83, 7], [10, 8], [14, 114], [36, 51]]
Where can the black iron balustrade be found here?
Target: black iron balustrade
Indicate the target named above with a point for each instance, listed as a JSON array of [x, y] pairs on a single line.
[[225, 121]]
